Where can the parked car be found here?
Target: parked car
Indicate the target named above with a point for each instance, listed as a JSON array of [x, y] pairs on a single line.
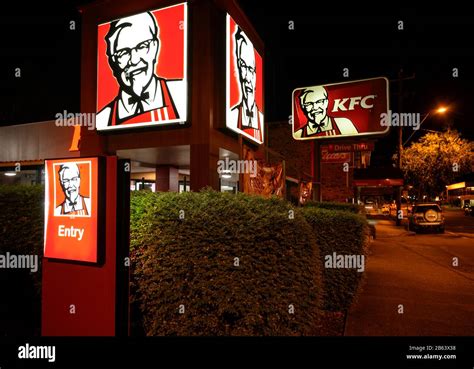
[[426, 216]]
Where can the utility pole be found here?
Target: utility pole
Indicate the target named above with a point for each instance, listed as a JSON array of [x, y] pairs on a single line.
[[400, 80], [400, 110], [400, 146], [318, 191]]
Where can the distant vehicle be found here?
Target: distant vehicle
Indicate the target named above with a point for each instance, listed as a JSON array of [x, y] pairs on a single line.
[[369, 206], [426, 216], [393, 209], [468, 209], [403, 208]]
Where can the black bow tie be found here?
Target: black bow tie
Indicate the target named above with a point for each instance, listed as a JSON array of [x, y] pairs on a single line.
[[138, 99], [319, 126], [249, 113], [72, 203]]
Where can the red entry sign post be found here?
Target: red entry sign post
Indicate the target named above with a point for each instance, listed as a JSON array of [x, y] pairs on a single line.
[[85, 277]]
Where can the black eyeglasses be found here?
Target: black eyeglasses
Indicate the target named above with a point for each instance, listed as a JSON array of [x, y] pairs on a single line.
[[245, 68], [123, 56], [309, 105], [67, 181]]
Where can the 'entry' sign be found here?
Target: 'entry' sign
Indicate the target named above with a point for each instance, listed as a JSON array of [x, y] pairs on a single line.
[[72, 209]]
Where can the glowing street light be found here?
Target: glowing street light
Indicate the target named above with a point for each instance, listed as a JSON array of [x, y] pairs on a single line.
[[440, 110]]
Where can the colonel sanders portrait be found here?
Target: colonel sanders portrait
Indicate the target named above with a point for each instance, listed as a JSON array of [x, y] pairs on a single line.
[[74, 204], [133, 49], [246, 115], [314, 103]]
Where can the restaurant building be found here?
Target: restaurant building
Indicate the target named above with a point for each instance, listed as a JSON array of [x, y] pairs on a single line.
[[461, 192], [177, 88], [189, 61]]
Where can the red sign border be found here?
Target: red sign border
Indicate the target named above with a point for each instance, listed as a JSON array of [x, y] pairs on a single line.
[[101, 212], [371, 134], [186, 70]]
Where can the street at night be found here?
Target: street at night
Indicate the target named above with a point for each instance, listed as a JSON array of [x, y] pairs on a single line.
[[459, 224], [417, 271]]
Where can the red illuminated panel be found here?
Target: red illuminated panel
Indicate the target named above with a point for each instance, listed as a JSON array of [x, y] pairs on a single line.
[[244, 98], [335, 157], [72, 209], [141, 69], [346, 109]]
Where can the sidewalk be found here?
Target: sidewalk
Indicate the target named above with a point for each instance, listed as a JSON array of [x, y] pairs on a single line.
[[415, 272]]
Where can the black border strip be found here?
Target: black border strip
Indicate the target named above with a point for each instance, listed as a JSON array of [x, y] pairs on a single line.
[[122, 249]]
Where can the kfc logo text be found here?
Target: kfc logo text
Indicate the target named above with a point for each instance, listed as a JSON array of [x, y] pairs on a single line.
[[340, 104]]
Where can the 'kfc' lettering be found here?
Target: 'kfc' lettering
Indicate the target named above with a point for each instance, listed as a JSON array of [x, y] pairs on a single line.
[[339, 104], [70, 232]]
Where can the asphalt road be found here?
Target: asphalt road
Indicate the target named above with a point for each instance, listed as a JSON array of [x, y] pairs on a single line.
[[415, 273], [457, 222]]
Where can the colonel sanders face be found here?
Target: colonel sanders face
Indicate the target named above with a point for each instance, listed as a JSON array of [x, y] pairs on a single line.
[[133, 46], [247, 72], [314, 103], [70, 179]]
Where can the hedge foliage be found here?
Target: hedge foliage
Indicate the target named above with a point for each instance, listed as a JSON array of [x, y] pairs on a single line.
[[21, 233], [183, 250], [344, 233], [342, 206]]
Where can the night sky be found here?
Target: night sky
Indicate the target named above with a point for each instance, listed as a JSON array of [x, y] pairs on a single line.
[[325, 40]]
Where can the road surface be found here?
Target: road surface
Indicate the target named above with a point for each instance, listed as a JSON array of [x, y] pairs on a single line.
[[412, 285]]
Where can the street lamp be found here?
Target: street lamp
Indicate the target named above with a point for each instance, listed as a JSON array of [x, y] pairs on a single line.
[[440, 110]]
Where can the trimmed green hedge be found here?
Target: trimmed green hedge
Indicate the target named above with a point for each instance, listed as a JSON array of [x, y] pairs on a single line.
[[21, 233], [343, 206], [183, 251], [345, 234], [190, 262]]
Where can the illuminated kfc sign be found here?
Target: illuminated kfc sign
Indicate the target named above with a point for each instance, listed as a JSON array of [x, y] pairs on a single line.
[[73, 211], [340, 110], [244, 99], [141, 70]]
